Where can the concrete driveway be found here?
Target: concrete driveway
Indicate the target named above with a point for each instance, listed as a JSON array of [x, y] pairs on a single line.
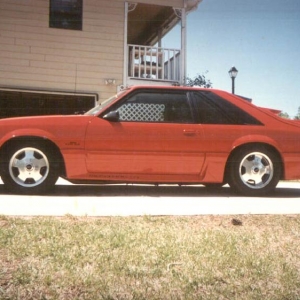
[[133, 200]]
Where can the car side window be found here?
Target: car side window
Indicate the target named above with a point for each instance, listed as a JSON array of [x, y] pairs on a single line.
[[212, 109], [163, 107]]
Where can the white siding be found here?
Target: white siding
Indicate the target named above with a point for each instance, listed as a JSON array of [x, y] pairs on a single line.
[[32, 55]]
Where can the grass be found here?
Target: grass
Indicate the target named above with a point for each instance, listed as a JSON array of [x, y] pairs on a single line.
[[205, 257]]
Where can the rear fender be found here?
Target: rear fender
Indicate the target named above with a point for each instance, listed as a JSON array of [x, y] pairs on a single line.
[[214, 169], [258, 139]]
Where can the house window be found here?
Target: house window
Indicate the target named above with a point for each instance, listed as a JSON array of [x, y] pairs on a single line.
[[66, 14]]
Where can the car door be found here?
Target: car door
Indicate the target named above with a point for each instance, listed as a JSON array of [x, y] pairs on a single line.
[[154, 137]]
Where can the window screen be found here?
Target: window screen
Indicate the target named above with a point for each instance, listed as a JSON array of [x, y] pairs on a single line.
[[156, 107]]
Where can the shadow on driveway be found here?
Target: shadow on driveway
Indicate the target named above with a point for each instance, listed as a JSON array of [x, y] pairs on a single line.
[[155, 191]]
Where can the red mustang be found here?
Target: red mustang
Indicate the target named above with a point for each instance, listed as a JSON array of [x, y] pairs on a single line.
[[154, 135]]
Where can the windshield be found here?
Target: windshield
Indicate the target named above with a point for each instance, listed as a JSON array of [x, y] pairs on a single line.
[[95, 110]]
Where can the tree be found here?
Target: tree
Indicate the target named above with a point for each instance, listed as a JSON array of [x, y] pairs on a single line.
[[297, 117], [284, 115], [199, 80]]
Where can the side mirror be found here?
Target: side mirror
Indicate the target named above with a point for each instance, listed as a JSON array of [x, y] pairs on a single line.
[[112, 116]]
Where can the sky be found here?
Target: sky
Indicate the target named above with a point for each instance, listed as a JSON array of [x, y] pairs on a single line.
[[261, 38]]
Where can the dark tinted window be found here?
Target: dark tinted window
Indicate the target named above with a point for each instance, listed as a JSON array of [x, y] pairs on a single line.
[[212, 109], [156, 107], [66, 14]]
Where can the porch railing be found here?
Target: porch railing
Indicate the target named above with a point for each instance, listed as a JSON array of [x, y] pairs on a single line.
[[153, 63]]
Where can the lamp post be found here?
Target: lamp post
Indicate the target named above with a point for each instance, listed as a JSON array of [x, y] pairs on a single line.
[[233, 73]]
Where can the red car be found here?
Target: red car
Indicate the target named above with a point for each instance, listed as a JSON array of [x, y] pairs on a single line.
[[154, 135]]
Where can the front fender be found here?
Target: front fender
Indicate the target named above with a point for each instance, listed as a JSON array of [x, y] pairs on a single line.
[[33, 132]]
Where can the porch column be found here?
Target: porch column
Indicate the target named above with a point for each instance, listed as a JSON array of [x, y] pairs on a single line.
[[125, 58], [183, 46]]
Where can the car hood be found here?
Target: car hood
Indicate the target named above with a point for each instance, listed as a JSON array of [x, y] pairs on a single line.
[[25, 121]]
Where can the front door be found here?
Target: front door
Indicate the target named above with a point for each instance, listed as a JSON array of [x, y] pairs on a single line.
[[155, 136]]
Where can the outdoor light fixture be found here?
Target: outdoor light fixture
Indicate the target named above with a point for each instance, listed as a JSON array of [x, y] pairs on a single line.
[[110, 81], [233, 73]]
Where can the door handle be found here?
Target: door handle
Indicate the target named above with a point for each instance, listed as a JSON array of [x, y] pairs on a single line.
[[189, 132]]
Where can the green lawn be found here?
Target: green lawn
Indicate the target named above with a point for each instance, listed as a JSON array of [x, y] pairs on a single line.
[[201, 257]]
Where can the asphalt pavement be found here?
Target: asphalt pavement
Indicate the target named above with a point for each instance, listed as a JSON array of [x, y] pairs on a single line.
[[137, 200]]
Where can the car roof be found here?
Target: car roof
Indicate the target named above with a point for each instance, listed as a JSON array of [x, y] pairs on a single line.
[[181, 87], [168, 87]]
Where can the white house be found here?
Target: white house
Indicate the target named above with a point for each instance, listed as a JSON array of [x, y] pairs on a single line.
[[72, 49]]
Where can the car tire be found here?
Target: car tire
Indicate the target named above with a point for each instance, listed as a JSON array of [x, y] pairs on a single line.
[[29, 168], [254, 170]]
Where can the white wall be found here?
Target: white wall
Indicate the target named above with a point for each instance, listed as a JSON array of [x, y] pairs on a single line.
[[32, 55]]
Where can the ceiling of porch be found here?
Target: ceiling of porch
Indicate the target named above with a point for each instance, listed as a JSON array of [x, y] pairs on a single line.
[[145, 22]]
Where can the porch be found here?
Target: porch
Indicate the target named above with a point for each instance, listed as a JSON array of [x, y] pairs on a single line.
[[149, 63], [146, 59]]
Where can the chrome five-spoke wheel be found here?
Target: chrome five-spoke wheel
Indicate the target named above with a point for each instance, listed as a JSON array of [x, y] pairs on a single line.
[[256, 170], [29, 167]]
